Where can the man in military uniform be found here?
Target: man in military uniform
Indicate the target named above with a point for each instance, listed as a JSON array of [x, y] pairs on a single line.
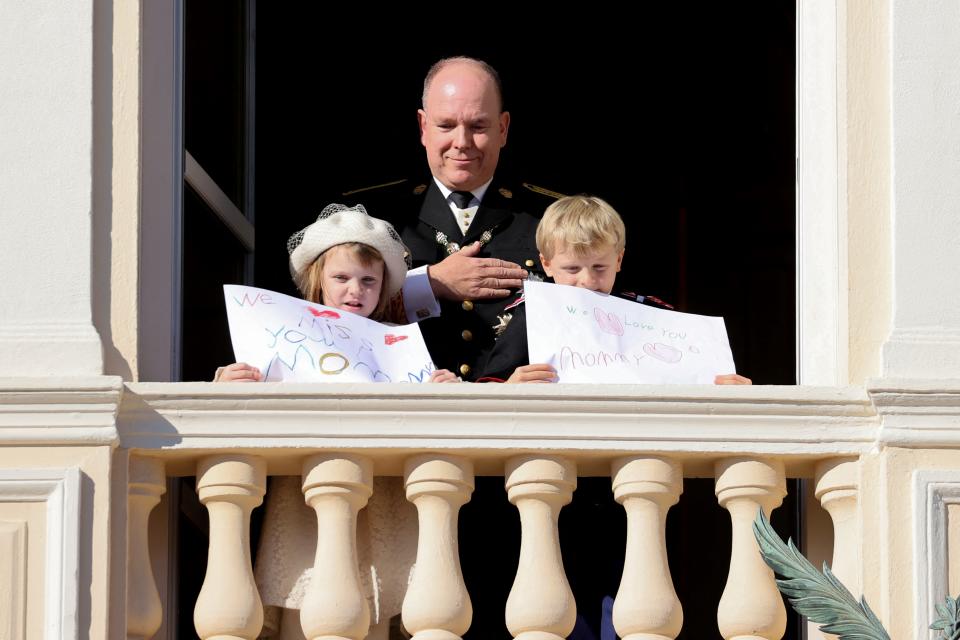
[[462, 226]]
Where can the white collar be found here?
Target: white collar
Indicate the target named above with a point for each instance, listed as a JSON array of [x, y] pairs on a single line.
[[478, 193]]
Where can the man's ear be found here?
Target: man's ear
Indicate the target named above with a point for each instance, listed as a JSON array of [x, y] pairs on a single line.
[[504, 127], [422, 121]]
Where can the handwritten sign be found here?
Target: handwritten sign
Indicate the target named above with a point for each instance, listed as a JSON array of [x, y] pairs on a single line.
[[591, 337], [292, 339]]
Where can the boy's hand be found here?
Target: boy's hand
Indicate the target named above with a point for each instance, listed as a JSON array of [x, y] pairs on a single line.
[[239, 372], [533, 373], [443, 375], [731, 378], [462, 276]]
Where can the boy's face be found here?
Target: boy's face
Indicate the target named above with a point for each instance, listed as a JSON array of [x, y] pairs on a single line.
[[596, 270], [348, 285]]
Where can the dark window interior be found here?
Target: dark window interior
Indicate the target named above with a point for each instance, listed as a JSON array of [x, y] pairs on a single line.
[[682, 117]]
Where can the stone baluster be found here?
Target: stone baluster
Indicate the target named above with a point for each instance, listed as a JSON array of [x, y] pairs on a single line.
[[229, 607], [334, 607], [147, 481], [437, 605], [647, 607], [540, 605], [837, 489], [751, 607]]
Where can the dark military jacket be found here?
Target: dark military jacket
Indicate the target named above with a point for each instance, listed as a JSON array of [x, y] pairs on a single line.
[[462, 337]]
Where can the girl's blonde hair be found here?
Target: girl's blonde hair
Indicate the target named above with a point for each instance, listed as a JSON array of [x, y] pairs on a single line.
[[581, 223], [311, 279]]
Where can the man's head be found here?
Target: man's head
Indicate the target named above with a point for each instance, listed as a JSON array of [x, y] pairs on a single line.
[[462, 124], [581, 241]]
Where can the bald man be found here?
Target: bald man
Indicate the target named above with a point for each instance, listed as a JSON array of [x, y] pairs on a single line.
[[462, 224]]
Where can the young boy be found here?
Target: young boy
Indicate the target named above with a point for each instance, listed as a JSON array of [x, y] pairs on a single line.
[[581, 242]]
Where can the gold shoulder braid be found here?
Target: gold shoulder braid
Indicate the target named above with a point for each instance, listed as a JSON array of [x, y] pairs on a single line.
[[373, 187], [544, 191]]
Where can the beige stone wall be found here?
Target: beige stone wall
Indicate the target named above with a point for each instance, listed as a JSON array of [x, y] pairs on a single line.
[[22, 566], [868, 184], [94, 544], [116, 215], [892, 531], [116, 219]]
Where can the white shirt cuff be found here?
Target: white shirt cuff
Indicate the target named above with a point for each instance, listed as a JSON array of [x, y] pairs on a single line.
[[418, 299]]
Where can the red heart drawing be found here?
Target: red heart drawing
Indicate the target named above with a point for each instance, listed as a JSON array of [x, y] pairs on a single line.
[[608, 322], [664, 352], [392, 339], [324, 314]]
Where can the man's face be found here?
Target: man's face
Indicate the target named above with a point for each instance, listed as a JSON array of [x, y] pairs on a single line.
[[462, 128]]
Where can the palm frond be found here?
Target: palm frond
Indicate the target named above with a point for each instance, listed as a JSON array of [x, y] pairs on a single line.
[[948, 624], [817, 596]]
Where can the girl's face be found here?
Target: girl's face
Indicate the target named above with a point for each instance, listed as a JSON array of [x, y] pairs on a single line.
[[349, 285]]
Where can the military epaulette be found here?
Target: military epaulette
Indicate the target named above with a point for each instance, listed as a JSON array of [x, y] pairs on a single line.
[[650, 301], [376, 187], [556, 195]]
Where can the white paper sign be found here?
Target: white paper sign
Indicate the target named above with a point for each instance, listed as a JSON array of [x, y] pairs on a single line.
[[591, 337], [292, 339]]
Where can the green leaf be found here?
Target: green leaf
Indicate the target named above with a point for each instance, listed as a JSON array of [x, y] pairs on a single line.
[[948, 622], [820, 597]]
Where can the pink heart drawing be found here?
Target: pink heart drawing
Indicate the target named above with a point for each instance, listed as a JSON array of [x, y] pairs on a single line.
[[664, 352], [608, 322], [323, 314]]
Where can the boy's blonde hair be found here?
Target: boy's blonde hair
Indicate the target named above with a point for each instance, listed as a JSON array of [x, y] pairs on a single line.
[[310, 282], [580, 223]]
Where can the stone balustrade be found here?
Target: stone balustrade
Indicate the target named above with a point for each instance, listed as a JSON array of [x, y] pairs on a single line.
[[749, 441]]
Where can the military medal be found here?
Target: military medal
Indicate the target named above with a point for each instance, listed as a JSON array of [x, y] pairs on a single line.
[[453, 247], [503, 321]]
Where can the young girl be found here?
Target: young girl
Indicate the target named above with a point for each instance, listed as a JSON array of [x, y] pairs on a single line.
[[349, 261], [355, 263]]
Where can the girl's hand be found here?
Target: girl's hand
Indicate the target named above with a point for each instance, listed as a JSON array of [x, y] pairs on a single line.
[[239, 372], [539, 373], [731, 378], [443, 375]]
